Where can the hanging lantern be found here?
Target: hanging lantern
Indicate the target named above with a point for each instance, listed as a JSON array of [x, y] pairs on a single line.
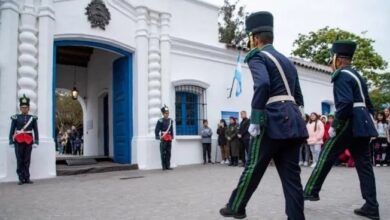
[[75, 93]]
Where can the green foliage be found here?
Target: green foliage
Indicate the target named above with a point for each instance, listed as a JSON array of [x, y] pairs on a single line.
[[381, 94], [315, 48], [232, 24], [68, 112]]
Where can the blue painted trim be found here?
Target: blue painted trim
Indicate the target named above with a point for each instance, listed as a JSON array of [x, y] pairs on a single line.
[[92, 44], [54, 85], [58, 43]]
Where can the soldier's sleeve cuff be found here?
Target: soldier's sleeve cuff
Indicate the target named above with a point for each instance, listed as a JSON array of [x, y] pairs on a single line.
[[338, 124], [258, 117]]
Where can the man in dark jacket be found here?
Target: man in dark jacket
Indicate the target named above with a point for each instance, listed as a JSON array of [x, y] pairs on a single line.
[[352, 128], [164, 133], [23, 135], [244, 136], [276, 125]]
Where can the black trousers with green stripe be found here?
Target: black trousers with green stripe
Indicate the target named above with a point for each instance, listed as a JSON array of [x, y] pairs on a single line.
[[360, 151], [286, 157], [165, 153]]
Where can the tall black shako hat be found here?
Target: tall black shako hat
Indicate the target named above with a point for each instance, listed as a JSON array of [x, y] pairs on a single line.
[[262, 21], [164, 109], [24, 101], [343, 48]]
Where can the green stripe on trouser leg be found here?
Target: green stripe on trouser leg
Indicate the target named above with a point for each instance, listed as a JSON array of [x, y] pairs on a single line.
[[323, 158], [242, 187]]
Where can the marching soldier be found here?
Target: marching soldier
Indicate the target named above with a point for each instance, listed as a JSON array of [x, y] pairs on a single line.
[[352, 128], [276, 124], [23, 134], [164, 133]]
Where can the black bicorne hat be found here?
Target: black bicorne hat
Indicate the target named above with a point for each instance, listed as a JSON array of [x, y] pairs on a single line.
[[24, 101], [262, 21], [164, 109], [344, 48]]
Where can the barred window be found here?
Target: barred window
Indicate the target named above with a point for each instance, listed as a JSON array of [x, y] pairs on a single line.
[[190, 109]]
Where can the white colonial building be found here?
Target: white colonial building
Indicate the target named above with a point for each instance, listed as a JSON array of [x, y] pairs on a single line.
[[127, 58]]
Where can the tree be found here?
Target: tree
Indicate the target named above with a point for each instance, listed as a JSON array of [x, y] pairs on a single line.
[[381, 94], [232, 24], [68, 111], [315, 48]]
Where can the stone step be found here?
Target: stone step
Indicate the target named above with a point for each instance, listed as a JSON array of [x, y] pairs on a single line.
[[100, 167]]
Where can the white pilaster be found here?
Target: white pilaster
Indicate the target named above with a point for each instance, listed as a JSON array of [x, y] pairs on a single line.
[[28, 61], [43, 159], [154, 85], [166, 60], [9, 12], [141, 73]]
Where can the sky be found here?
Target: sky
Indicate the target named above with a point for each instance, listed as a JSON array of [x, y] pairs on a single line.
[[292, 17]]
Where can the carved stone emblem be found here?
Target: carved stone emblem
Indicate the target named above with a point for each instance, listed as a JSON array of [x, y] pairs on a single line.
[[98, 14]]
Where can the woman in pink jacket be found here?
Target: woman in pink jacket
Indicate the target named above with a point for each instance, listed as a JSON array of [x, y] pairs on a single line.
[[316, 132]]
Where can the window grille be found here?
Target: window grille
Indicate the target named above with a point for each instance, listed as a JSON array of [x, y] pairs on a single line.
[[190, 108]]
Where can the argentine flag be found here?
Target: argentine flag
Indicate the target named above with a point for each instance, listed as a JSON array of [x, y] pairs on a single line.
[[237, 76]]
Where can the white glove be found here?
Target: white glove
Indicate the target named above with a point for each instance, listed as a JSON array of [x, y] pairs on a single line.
[[302, 110], [35, 145], [254, 130], [332, 132]]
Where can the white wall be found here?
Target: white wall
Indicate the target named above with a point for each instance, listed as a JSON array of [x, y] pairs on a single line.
[[71, 22], [99, 82], [316, 88]]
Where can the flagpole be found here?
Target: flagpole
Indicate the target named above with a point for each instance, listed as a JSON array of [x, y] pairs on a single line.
[[231, 89]]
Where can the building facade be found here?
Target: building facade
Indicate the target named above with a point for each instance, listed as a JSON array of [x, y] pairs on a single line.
[[127, 58]]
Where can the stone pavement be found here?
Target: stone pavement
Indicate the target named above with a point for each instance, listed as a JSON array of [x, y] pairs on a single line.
[[190, 192]]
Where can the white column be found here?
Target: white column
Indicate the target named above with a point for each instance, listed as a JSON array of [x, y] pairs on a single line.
[[140, 74], [154, 85], [43, 161], [28, 61], [166, 60], [9, 12], [45, 68]]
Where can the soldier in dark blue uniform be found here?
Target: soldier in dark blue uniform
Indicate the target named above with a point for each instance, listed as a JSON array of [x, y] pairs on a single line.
[[164, 133], [277, 127], [23, 134], [352, 128]]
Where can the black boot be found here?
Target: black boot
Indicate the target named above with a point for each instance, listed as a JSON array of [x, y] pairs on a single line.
[[227, 212], [367, 214], [311, 197]]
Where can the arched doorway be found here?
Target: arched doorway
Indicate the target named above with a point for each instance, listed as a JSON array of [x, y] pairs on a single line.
[[102, 75]]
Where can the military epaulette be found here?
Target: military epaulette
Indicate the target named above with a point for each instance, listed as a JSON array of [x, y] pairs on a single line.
[[35, 117], [14, 117], [160, 120], [251, 54]]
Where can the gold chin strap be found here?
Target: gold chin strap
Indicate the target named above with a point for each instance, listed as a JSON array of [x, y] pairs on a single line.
[[251, 41], [334, 61]]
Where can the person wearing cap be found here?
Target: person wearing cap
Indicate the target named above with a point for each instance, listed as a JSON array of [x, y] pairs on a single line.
[[352, 128], [276, 125], [164, 133], [23, 135]]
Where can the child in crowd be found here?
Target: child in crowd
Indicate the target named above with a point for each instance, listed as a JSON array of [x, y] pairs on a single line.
[[316, 132], [206, 134], [380, 142]]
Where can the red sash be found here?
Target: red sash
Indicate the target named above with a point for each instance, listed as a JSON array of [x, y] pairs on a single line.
[[167, 137], [23, 138]]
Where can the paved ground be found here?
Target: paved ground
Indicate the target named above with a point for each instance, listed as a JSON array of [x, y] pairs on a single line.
[[193, 192]]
